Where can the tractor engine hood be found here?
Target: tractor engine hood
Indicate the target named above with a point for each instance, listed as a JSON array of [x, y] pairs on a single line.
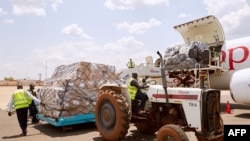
[[207, 29]]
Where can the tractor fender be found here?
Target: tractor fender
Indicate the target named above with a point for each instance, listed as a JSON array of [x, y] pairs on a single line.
[[120, 89]]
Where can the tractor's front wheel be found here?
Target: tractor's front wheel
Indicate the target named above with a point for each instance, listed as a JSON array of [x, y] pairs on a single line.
[[112, 115], [171, 132]]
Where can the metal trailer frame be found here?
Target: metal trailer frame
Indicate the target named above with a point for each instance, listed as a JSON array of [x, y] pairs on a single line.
[[68, 120]]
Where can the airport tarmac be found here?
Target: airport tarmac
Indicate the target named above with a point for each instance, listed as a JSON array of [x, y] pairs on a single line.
[[240, 114]]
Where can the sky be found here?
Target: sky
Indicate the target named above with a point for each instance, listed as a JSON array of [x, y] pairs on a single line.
[[36, 36]]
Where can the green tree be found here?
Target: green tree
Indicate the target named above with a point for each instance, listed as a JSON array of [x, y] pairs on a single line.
[[8, 78]]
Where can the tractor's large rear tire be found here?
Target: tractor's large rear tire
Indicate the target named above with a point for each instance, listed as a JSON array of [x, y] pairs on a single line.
[[171, 132], [112, 115]]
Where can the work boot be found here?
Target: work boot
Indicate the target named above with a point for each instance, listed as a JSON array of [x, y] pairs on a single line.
[[23, 134]]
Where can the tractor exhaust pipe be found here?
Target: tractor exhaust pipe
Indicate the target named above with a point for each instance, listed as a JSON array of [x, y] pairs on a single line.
[[163, 76]]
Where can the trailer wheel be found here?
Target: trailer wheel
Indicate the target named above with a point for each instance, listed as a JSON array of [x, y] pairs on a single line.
[[112, 115], [171, 132]]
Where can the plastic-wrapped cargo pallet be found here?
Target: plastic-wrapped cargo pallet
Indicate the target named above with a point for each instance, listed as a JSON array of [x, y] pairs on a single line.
[[73, 88], [185, 56]]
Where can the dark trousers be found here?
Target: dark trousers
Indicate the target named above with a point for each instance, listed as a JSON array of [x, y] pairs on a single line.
[[33, 111], [143, 97], [22, 115]]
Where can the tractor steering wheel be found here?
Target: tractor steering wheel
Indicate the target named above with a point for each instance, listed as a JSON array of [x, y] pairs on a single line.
[[150, 82]]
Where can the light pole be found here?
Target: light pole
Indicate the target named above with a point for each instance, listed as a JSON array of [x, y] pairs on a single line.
[[40, 76]]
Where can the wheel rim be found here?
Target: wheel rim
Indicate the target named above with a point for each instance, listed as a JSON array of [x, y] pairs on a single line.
[[108, 115]]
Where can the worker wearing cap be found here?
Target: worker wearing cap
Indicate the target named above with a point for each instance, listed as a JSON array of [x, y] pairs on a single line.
[[130, 63], [20, 103], [32, 106]]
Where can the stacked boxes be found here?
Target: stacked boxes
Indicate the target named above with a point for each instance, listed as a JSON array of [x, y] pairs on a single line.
[[73, 88]]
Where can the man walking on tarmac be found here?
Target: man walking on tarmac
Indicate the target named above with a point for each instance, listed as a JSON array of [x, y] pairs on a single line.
[[21, 105], [135, 92], [32, 107]]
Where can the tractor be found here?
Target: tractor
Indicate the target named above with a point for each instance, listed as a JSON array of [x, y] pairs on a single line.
[[174, 113]]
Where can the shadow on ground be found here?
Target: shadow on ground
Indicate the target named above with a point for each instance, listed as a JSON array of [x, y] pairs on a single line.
[[13, 136], [134, 135], [54, 131], [79, 129], [237, 106]]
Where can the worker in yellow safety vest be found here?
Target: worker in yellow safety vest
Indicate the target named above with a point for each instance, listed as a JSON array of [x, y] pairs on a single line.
[[19, 101], [130, 63], [135, 92]]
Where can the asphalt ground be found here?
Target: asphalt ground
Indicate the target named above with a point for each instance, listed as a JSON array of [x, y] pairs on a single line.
[[10, 130]]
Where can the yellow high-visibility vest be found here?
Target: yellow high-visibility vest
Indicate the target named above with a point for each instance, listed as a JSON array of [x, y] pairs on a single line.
[[20, 99], [131, 64], [132, 89]]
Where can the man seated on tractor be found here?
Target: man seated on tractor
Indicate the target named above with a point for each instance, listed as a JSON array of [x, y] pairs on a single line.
[[135, 92]]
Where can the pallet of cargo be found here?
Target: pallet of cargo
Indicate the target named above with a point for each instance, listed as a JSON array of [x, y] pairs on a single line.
[[69, 96]]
